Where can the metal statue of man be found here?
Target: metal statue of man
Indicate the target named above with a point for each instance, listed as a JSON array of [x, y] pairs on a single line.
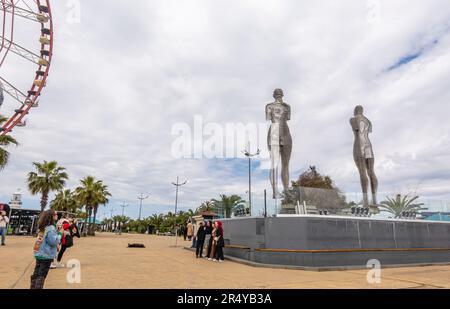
[[279, 141], [363, 155]]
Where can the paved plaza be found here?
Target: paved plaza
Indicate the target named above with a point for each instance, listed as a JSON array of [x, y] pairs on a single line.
[[106, 262]]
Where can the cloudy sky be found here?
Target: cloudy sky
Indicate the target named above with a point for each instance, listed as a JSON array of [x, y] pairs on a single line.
[[125, 74]]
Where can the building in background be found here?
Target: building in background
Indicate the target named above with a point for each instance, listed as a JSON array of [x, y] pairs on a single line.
[[16, 201], [436, 216]]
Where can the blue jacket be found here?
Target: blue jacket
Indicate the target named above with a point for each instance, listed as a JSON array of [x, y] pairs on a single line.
[[49, 247]]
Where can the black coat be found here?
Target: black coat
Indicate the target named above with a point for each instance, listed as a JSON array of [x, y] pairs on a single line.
[[201, 234], [208, 230], [220, 241]]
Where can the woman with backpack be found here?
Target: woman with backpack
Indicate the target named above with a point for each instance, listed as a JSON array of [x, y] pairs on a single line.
[[66, 241], [45, 248]]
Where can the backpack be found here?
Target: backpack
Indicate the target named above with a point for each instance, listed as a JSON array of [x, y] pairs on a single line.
[[39, 241], [69, 241]]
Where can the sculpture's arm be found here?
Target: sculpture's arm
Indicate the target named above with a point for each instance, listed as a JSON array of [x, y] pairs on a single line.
[[354, 124], [268, 113], [288, 117]]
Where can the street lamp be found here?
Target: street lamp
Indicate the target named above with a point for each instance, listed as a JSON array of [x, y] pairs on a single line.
[[250, 155], [177, 185], [142, 197], [124, 205]]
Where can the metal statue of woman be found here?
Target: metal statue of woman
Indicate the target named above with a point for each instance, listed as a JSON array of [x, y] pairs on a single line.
[[279, 141], [363, 155]]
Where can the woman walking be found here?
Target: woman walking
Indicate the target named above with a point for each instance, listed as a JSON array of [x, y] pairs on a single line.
[[45, 248]]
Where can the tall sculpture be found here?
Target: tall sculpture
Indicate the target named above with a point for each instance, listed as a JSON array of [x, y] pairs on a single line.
[[279, 141], [364, 156]]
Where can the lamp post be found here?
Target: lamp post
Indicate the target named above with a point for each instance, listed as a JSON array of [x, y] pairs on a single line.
[[250, 155], [142, 197], [124, 205], [177, 185]]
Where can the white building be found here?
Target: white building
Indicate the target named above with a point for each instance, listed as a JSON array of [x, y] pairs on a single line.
[[16, 201]]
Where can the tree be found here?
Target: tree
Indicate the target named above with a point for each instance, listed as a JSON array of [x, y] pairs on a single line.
[[65, 201], [228, 204], [206, 207], [91, 194], [5, 141], [121, 222], [49, 177], [316, 189], [157, 221], [398, 206]]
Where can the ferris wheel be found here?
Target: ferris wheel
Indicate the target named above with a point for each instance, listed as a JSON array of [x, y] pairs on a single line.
[[21, 85]]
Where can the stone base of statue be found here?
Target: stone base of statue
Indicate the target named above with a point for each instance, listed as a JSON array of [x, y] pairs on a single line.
[[314, 242], [288, 209], [374, 210]]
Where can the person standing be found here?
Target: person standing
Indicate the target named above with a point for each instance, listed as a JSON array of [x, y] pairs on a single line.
[[212, 244], [194, 237], [201, 233], [183, 231], [190, 230], [208, 231], [220, 243], [45, 248], [4, 221]]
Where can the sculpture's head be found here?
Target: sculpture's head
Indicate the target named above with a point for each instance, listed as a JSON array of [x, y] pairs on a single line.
[[359, 110], [278, 94]]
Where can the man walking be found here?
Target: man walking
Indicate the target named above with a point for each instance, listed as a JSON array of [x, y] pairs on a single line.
[[4, 221]]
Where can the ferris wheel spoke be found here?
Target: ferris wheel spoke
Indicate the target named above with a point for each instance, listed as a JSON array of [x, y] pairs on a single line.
[[40, 17], [20, 51], [13, 91]]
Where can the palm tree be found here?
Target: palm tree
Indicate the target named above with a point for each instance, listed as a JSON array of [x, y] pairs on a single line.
[[206, 207], [227, 204], [399, 205], [157, 221], [5, 141], [49, 177], [169, 221], [91, 194], [121, 221], [64, 201]]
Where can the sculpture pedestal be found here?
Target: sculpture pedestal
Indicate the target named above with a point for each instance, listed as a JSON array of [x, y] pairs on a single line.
[[335, 242], [288, 209]]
